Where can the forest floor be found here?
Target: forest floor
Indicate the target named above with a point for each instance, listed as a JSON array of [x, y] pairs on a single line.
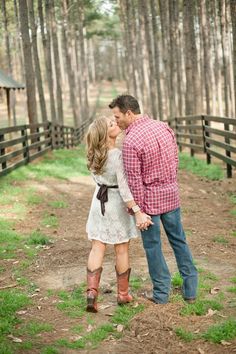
[[46, 260]]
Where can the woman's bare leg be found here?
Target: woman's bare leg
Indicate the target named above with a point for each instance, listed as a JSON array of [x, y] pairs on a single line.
[[96, 255], [122, 257]]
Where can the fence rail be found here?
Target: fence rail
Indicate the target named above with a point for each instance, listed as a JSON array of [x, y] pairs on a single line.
[[22, 144], [214, 136]]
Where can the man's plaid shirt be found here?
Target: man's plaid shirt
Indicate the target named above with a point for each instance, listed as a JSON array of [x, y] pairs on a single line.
[[150, 158]]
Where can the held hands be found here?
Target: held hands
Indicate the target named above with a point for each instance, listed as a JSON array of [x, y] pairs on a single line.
[[143, 221]]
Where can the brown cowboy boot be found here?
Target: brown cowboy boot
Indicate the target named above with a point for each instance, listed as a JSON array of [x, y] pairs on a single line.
[[93, 279], [123, 296]]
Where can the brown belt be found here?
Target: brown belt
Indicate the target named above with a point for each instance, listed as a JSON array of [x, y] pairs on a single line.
[[102, 195]]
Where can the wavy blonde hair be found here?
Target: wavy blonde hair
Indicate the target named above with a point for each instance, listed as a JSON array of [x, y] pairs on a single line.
[[97, 145]]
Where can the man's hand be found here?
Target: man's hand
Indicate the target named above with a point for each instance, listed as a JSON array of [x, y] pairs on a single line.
[[143, 221]]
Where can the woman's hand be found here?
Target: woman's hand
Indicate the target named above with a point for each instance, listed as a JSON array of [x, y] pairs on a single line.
[[143, 221]]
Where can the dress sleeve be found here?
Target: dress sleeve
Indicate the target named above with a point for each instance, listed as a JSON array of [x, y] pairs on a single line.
[[122, 181]]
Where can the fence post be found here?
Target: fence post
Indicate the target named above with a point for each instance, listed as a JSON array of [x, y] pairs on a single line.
[[206, 143], [2, 152], [228, 154], [38, 138], [25, 144], [176, 133]]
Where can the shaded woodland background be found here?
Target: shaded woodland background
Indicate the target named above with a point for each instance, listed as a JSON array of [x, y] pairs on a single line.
[[178, 57]]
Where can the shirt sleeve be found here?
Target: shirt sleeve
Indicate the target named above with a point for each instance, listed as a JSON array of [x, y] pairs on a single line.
[[122, 180], [132, 166]]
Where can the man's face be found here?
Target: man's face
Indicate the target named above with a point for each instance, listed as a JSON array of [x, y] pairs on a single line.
[[122, 119]]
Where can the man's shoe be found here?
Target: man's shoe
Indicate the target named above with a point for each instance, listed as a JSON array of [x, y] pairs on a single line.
[[149, 296], [190, 301]]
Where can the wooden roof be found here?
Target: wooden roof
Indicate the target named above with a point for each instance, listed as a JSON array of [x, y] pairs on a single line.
[[6, 82]]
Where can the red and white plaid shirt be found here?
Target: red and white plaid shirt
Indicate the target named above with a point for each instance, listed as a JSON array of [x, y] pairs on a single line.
[[150, 157]]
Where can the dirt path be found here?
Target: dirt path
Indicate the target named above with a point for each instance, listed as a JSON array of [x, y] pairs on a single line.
[[206, 215], [210, 227]]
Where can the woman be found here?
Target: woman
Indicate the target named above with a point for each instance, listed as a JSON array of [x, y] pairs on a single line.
[[108, 221]]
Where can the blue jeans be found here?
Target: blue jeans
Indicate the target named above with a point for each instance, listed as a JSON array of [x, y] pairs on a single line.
[[158, 268]]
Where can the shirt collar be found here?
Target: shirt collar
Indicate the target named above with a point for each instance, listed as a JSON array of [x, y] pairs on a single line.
[[136, 122]]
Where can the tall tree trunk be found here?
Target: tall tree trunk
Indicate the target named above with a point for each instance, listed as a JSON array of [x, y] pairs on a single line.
[[173, 68], [191, 66], [157, 58], [36, 61], [206, 51], [9, 62], [233, 20], [67, 46], [80, 12], [56, 63], [222, 14], [145, 10], [47, 55], [28, 62]]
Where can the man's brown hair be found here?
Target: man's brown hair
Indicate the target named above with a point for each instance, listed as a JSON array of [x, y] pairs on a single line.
[[125, 103]]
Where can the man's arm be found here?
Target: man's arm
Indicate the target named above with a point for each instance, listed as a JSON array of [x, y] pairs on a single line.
[[132, 166]]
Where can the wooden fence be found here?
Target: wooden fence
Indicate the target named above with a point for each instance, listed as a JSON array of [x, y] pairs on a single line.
[[22, 144], [214, 136]]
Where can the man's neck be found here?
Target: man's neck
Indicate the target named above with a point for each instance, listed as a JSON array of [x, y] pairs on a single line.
[[135, 117]]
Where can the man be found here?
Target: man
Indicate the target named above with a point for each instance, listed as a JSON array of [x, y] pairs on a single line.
[[150, 158]]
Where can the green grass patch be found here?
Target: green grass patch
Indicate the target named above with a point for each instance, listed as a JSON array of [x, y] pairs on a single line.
[[60, 164], [38, 238], [33, 328], [220, 239], [223, 331], [184, 335], [34, 199], [232, 289], [177, 280], [124, 314], [135, 283], [58, 204], [234, 233], [233, 212], [49, 350], [233, 280], [200, 167], [50, 221], [200, 307], [77, 329], [74, 303], [10, 302], [233, 198]]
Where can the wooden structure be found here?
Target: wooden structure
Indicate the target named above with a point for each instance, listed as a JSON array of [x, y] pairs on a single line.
[[7, 83], [214, 136], [33, 140]]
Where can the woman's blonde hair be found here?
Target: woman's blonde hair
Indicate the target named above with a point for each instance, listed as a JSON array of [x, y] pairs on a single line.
[[97, 145]]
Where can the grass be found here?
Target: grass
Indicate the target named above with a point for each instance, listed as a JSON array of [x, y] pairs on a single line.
[[74, 303], [232, 289], [10, 302], [200, 307], [135, 283], [184, 335], [200, 167], [60, 164], [37, 238], [222, 331], [34, 199], [220, 239], [233, 280], [122, 315], [50, 221], [33, 328], [58, 204], [49, 350], [176, 280]]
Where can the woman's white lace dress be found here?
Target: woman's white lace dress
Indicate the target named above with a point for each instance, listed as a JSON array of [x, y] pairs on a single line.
[[116, 225]]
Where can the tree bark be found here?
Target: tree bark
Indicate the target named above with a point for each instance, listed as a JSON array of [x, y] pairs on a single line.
[[56, 63], [233, 20], [36, 61], [28, 63]]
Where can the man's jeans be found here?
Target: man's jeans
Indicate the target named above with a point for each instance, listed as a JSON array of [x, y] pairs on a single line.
[[158, 269]]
